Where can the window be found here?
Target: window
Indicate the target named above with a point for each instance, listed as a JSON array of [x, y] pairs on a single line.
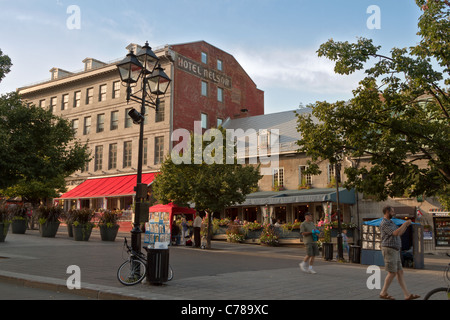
[[331, 174], [114, 120], [204, 120], [75, 126], [220, 94], [102, 93], [159, 150], [278, 177], [127, 154], [204, 57], [304, 179], [53, 102], [145, 150], [65, 102], [89, 95], [100, 122], [77, 99], [42, 103], [112, 156], [116, 89], [87, 125], [159, 115], [219, 65], [128, 120], [219, 122], [98, 158], [204, 88], [263, 139]]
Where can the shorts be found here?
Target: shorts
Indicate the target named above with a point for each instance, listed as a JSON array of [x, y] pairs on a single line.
[[392, 260], [312, 249]]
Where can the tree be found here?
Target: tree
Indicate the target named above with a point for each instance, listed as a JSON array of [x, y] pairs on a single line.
[[398, 116], [5, 65], [210, 185], [39, 150]]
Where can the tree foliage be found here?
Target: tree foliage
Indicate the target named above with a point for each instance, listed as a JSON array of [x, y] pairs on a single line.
[[210, 186], [39, 150], [398, 116]]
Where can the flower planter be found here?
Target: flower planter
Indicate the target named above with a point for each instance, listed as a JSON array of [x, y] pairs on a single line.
[[290, 234], [49, 229], [108, 233], [82, 232], [254, 234], [19, 226], [327, 251], [4, 227]]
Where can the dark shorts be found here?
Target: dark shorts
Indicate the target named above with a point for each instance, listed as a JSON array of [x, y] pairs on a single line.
[[312, 249]]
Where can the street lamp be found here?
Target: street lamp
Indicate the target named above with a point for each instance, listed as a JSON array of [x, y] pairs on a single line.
[[340, 247], [143, 66]]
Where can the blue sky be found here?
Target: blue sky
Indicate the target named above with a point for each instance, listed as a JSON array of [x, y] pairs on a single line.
[[274, 40]]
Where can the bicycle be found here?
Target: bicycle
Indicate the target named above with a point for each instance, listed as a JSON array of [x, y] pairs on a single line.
[[442, 293], [134, 269]]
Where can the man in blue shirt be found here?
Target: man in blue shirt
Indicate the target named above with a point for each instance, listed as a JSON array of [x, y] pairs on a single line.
[[391, 245]]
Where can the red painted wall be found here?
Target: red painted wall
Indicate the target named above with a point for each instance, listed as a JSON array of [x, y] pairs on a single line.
[[188, 100]]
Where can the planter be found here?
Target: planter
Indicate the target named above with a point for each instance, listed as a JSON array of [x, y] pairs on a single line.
[[70, 230], [49, 229], [82, 232], [4, 227], [254, 234], [290, 234], [108, 233], [19, 226], [327, 251]]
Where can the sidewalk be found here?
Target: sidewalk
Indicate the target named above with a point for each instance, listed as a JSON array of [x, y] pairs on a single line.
[[228, 271]]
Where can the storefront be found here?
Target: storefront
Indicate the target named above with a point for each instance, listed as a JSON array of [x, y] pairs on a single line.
[[441, 222]]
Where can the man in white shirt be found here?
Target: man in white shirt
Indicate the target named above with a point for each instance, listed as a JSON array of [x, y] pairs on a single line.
[[197, 226]]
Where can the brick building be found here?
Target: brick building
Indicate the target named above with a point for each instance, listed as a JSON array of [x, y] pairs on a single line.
[[208, 85]]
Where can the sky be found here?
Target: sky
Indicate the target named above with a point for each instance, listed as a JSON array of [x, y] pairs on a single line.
[[275, 41]]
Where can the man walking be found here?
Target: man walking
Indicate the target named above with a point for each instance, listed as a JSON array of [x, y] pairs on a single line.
[[197, 226], [309, 232], [390, 246]]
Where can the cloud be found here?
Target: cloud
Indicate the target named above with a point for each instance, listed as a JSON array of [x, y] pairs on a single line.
[[295, 69]]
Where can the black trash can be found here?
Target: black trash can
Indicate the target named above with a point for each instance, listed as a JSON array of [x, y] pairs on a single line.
[[355, 254], [157, 265]]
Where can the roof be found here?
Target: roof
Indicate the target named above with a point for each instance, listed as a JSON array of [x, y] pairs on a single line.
[[285, 122], [107, 187]]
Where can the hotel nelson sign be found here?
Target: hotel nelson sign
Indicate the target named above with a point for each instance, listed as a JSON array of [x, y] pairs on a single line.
[[203, 72]]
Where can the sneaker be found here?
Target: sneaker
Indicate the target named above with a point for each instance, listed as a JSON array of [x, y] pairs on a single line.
[[302, 266], [311, 270]]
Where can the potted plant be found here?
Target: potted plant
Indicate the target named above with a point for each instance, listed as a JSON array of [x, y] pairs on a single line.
[[5, 221], [269, 236], [252, 229], [81, 224], [19, 219], [48, 218], [108, 225], [235, 234]]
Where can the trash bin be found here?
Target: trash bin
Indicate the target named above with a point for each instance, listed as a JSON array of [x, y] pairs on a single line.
[[157, 265], [355, 254]]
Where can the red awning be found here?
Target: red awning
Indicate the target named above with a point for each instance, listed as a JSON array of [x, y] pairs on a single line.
[[107, 187], [171, 208]]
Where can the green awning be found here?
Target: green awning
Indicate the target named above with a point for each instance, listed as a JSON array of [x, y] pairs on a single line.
[[299, 196]]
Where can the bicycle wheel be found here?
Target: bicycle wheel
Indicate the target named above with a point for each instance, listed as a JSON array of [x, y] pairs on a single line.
[[438, 294], [131, 272], [170, 276]]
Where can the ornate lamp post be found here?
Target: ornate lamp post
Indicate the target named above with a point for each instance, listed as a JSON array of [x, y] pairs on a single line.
[[340, 247], [143, 67]]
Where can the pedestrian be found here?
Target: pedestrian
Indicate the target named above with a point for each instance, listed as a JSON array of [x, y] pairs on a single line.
[[184, 230], [310, 236], [391, 245], [197, 226], [345, 245]]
